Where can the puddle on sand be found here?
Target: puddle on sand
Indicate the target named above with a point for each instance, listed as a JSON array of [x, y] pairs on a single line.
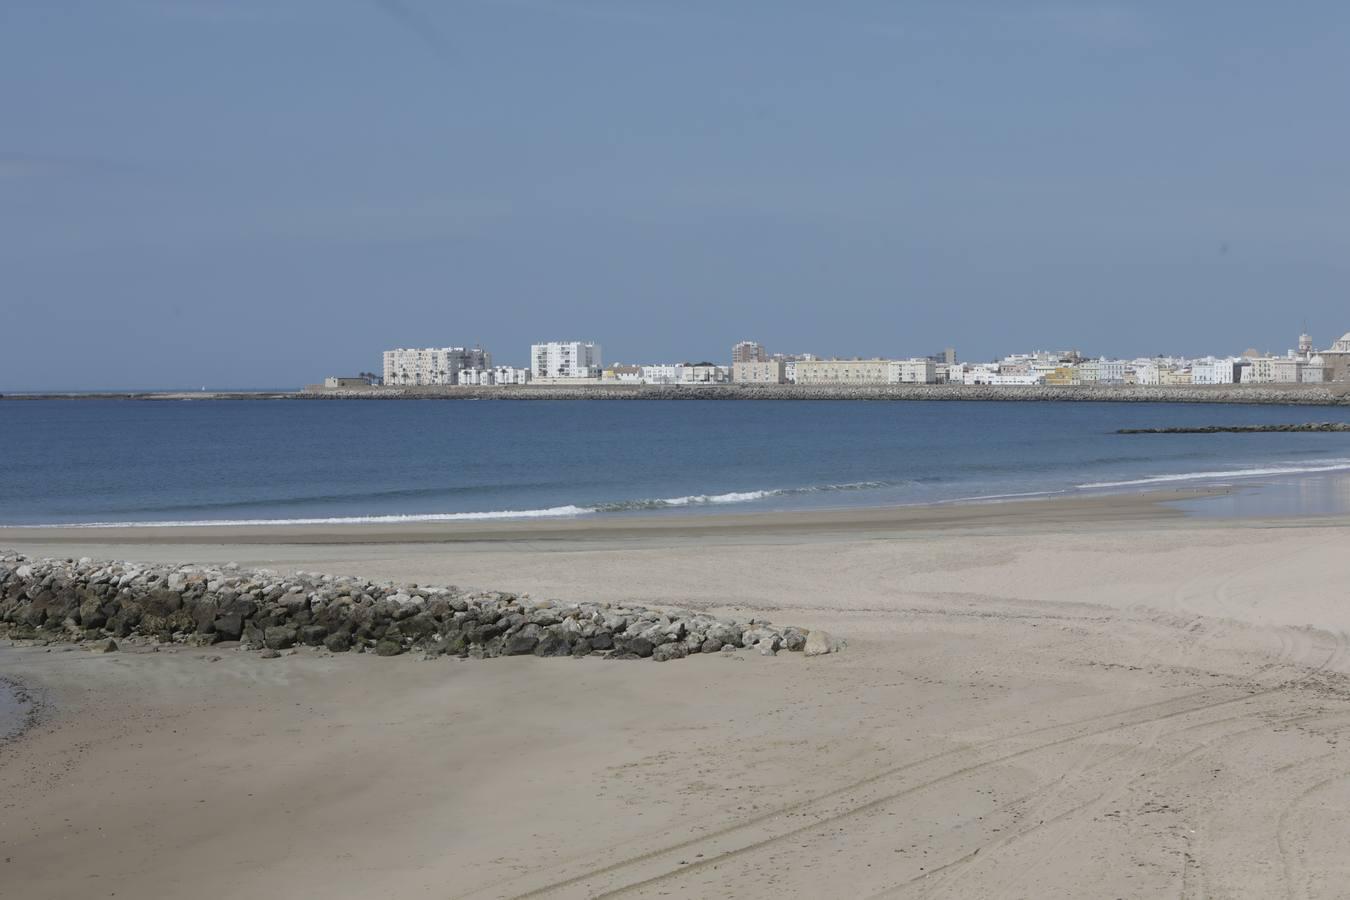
[[13, 710]]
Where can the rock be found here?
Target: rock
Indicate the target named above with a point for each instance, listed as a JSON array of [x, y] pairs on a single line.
[[819, 643], [667, 652], [108, 646], [269, 653], [523, 641], [638, 646], [279, 637], [388, 648], [338, 642], [794, 639], [712, 645], [767, 646]]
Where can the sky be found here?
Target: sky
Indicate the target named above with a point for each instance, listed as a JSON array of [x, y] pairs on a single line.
[[259, 193]]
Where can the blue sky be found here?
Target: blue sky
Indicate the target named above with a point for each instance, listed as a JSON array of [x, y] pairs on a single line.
[[262, 192]]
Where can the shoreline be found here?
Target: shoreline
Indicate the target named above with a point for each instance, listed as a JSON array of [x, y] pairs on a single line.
[[941, 516], [1327, 394]]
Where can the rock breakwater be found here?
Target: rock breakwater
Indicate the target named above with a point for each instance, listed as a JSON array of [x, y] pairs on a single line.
[[1306, 427], [1295, 394], [92, 601]]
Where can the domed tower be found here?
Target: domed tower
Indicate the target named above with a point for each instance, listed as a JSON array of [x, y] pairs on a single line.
[[1305, 345]]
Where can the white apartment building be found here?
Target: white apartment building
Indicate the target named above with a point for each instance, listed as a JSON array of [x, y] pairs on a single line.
[[912, 371], [565, 359], [1213, 371], [1111, 371], [432, 365], [662, 374]]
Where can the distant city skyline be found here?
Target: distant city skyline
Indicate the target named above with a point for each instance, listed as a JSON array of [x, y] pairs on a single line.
[[663, 178]]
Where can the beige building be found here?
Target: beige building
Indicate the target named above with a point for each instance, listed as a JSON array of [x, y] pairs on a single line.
[[748, 351], [1336, 361], [773, 371], [843, 371], [922, 370]]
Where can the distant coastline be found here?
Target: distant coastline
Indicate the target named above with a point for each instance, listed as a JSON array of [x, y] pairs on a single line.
[[1333, 394]]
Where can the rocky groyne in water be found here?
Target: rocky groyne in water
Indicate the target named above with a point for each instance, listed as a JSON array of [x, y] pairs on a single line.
[[1303, 428], [100, 602]]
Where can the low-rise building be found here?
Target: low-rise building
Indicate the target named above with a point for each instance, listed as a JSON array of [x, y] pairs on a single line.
[[621, 374], [704, 373], [333, 382], [1213, 371], [1062, 376], [1258, 370], [921, 370], [663, 374], [770, 371], [843, 371], [1336, 360]]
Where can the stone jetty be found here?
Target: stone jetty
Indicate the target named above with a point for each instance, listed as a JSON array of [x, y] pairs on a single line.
[[1306, 427], [101, 602]]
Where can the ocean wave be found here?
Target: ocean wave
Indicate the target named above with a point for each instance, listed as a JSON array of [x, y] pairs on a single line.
[[567, 511], [1338, 465], [551, 512]]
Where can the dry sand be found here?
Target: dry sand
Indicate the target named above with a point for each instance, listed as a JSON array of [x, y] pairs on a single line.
[[1066, 699]]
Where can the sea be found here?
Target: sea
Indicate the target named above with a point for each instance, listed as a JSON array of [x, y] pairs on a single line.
[[104, 462]]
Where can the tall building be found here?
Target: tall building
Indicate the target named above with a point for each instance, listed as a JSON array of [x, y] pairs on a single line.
[[565, 359], [748, 352], [432, 365]]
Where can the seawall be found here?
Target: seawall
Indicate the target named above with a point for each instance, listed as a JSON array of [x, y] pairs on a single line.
[[98, 603], [1335, 394]]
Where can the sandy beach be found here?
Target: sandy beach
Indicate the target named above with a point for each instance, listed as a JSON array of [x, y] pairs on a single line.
[[1092, 697]]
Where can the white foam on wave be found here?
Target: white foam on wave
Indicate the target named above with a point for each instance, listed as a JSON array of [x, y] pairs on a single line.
[[1338, 465], [732, 497], [551, 512]]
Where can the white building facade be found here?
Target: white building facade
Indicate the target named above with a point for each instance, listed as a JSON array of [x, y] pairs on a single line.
[[565, 359], [432, 365]]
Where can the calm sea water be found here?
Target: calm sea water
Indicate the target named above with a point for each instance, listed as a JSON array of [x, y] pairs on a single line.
[[114, 461]]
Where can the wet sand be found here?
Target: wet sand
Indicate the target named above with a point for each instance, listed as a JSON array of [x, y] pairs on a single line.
[[1088, 697]]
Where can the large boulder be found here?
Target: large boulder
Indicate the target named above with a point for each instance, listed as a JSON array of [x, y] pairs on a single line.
[[820, 643]]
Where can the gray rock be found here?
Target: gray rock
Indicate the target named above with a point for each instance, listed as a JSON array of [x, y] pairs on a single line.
[[269, 653], [712, 645], [523, 641], [108, 646], [388, 648], [667, 652]]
